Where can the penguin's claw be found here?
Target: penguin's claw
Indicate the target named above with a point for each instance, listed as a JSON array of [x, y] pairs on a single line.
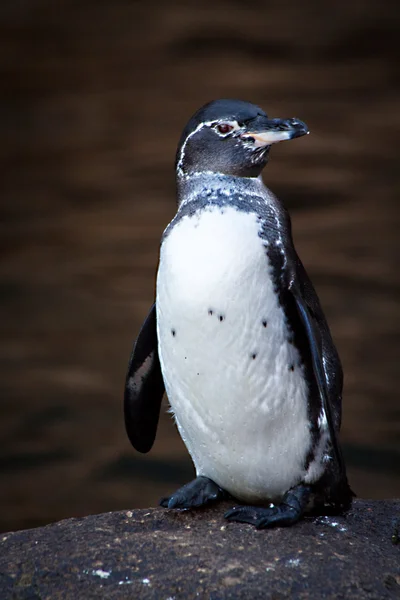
[[263, 518], [199, 492], [288, 512], [164, 501]]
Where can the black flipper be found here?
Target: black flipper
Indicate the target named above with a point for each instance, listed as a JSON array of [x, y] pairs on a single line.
[[314, 342], [144, 387], [333, 488], [199, 492], [287, 512], [313, 335]]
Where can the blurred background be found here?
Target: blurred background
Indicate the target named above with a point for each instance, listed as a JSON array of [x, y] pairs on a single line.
[[95, 95]]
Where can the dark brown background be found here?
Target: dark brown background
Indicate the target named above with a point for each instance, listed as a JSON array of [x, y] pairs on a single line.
[[94, 98]]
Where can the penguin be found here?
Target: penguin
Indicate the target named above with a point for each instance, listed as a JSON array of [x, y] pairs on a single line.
[[237, 337]]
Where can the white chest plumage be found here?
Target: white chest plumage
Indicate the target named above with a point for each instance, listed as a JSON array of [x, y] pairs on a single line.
[[234, 381]]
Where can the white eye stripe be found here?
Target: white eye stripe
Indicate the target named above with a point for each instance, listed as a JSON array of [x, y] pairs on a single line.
[[182, 151], [234, 124]]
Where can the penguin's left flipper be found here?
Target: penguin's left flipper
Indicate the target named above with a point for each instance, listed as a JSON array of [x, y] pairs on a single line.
[[313, 335], [144, 387], [288, 512]]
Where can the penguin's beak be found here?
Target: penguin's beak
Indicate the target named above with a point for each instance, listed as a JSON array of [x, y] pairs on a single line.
[[266, 131]]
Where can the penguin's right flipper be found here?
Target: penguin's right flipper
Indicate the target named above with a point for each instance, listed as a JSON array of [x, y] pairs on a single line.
[[144, 387]]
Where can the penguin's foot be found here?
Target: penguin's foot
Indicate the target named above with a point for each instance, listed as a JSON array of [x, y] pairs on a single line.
[[199, 492], [288, 512]]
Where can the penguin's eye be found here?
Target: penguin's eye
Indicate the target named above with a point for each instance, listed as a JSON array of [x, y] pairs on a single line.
[[225, 128]]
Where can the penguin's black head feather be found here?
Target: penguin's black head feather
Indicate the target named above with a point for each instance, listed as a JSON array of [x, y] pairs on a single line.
[[231, 137]]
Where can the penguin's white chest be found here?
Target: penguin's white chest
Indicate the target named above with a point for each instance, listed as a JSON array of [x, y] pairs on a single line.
[[233, 379]]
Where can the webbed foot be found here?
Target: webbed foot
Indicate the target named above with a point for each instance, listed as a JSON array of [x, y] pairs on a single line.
[[288, 512], [199, 492]]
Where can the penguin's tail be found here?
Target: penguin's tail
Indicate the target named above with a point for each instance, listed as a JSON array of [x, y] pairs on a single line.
[[341, 496], [333, 495]]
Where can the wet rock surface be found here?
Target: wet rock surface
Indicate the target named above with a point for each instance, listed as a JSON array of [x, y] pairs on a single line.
[[169, 555]]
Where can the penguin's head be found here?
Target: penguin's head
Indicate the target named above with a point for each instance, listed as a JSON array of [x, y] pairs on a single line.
[[231, 137]]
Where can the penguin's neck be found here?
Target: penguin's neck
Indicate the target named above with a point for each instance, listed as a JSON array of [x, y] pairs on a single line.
[[190, 187]]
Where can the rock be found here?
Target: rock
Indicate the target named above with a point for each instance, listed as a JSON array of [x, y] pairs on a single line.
[[169, 555]]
